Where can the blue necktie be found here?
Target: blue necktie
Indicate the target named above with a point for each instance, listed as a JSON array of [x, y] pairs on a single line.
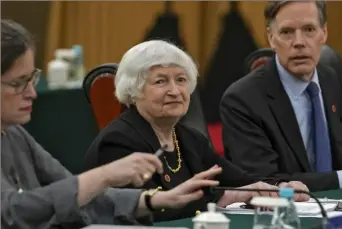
[[320, 134]]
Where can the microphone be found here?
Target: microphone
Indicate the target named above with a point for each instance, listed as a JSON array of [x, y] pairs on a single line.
[[323, 212]]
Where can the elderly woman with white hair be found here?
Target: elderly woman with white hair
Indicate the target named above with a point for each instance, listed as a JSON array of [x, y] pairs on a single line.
[[155, 80]]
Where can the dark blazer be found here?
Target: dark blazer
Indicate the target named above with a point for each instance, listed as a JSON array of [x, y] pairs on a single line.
[[261, 133], [131, 133]]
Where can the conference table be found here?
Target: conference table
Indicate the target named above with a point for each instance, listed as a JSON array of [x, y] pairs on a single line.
[[238, 221]]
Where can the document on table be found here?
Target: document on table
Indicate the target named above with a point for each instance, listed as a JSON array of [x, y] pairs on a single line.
[[305, 209]]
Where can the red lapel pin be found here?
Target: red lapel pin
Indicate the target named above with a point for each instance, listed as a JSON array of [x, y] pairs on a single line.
[[167, 178], [333, 108]]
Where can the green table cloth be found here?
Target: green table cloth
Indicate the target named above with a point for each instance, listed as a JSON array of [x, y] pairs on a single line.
[[246, 221]]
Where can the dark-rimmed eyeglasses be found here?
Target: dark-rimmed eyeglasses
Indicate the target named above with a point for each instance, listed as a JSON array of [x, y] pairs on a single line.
[[20, 85]]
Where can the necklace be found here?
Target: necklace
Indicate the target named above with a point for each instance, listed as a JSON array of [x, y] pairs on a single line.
[[179, 159]]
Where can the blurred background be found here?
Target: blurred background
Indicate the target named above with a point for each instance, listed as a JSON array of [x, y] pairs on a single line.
[[107, 29], [218, 35]]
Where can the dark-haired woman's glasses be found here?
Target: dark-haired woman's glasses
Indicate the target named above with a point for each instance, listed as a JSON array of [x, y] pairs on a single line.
[[20, 85]]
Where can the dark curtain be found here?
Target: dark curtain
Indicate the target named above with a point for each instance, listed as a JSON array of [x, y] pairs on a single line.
[[226, 65], [166, 27]]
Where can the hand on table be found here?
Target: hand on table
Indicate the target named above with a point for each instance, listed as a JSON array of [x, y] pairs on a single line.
[[233, 196]]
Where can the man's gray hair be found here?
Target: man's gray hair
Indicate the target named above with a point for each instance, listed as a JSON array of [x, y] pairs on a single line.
[[137, 61], [273, 7]]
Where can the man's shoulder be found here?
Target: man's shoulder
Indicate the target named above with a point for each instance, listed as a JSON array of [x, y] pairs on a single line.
[[252, 84], [328, 71], [331, 78]]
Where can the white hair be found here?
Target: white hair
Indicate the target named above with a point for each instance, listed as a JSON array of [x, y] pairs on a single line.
[[137, 61]]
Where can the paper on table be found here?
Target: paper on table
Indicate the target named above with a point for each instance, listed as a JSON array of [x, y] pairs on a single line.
[[304, 209], [312, 208]]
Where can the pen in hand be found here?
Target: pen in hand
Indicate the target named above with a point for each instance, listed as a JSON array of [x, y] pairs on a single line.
[[160, 151]]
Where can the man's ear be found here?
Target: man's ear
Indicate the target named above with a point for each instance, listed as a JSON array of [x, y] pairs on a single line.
[[325, 34], [270, 37]]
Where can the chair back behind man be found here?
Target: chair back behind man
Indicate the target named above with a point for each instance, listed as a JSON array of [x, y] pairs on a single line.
[[257, 59]]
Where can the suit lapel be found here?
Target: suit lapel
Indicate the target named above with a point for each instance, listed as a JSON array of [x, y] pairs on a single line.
[[132, 117], [330, 106], [284, 114]]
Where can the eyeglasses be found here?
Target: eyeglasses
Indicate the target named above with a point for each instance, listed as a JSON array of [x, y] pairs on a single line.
[[20, 85]]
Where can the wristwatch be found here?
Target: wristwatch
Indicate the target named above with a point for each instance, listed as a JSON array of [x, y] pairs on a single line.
[[148, 196]]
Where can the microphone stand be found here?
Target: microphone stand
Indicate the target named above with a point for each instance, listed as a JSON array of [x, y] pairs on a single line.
[[323, 212]]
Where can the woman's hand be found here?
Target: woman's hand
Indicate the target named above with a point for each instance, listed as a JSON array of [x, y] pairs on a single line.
[[135, 169], [233, 196], [186, 192]]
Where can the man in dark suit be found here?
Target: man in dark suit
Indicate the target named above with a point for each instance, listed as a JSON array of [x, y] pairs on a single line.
[[284, 119]]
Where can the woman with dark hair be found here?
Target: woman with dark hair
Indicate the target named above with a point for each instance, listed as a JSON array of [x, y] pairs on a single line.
[[38, 192]]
